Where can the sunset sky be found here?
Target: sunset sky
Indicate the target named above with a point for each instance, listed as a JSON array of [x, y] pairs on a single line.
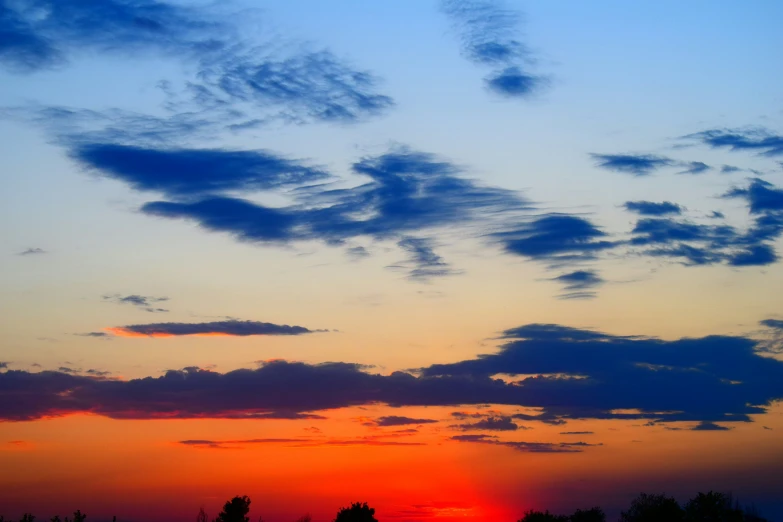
[[457, 259]]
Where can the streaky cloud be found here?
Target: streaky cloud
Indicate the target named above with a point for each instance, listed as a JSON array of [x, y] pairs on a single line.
[[529, 447], [32, 252], [710, 426], [230, 328], [695, 167], [577, 284], [756, 139], [397, 420], [407, 192], [300, 84], [144, 302], [426, 263], [556, 239], [500, 423], [488, 32], [193, 172], [651, 208], [634, 164]]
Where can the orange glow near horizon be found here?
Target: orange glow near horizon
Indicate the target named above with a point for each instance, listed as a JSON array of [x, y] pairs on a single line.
[[119, 331], [290, 467]]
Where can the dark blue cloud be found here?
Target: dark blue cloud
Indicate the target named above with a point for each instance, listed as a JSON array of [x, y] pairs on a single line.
[[303, 85], [588, 374], [145, 302], [636, 164], [556, 238], [650, 208], [566, 373], [773, 323], [489, 37], [709, 426], [396, 420], [695, 167], [245, 220], [649, 231], [21, 49], [426, 264], [490, 424], [578, 284], [407, 192], [759, 140], [190, 172], [729, 169], [704, 244], [513, 82], [310, 85], [231, 328], [762, 197], [526, 447]]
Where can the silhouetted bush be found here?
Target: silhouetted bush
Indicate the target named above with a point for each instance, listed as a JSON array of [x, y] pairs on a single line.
[[235, 510], [653, 508], [595, 514], [357, 512], [542, 516]]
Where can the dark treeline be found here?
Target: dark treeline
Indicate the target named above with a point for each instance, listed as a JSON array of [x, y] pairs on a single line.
[[704, 507]]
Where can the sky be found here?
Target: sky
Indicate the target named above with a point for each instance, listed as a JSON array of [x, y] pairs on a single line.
[[455, 258]]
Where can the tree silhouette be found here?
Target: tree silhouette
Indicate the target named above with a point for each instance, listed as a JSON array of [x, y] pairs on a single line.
[[305, 518], [78, 516], [595, 514], [28, 517], [712, 507], [357, 512], [653, 508], [235, 510], [202, 515], [542, 516]]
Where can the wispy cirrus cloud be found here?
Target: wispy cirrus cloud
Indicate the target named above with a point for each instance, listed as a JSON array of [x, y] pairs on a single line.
[[33, 251], [489, 32], [527, 447], [231, 328], [579, 284], [301, 442], [500, 423], [145, 302], [424, 263], [752, 139], [290, 82], [398, 420], [695, 167], [634, 164]]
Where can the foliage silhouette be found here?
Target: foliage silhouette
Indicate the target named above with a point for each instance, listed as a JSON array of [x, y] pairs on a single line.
[[542, 516], [652, 508], [704, 507], [712, 507], [235, 510], [594, 514], [356, 512]]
